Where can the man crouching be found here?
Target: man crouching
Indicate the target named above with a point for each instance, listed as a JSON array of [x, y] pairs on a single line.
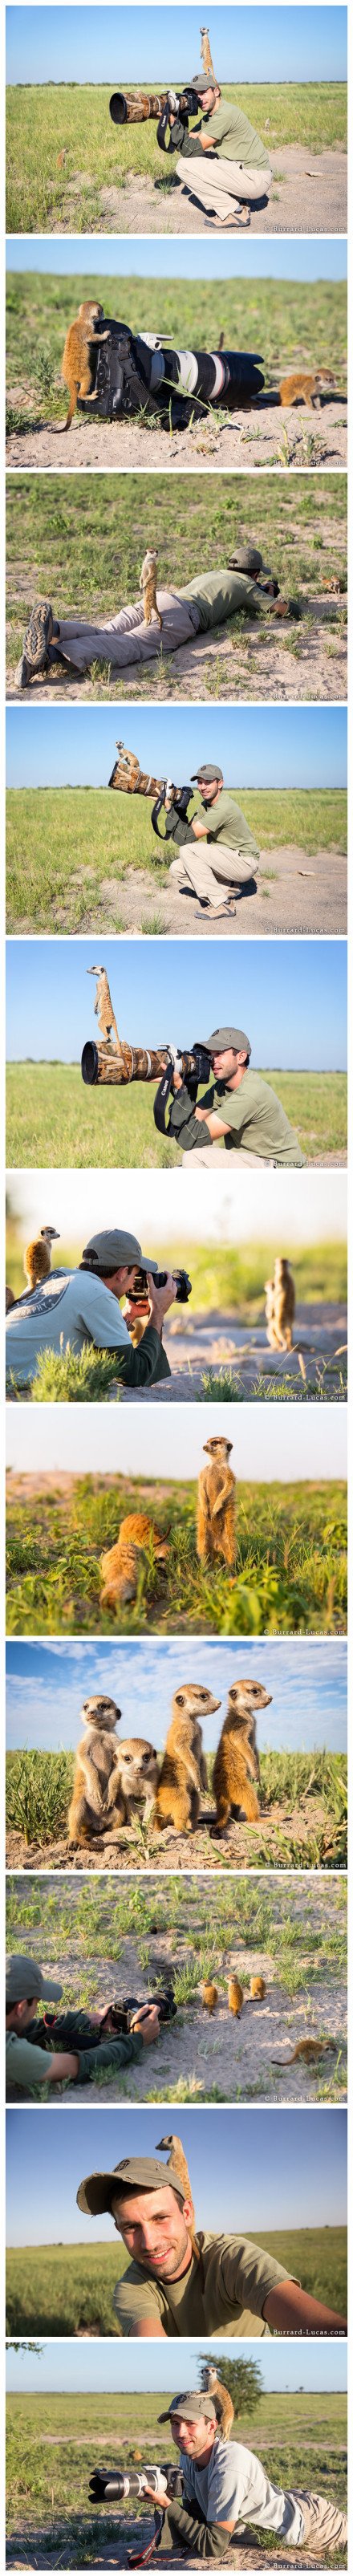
[[226, 2486]]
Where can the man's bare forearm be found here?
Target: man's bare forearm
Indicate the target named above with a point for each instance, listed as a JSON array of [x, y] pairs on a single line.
[[293, 2312]]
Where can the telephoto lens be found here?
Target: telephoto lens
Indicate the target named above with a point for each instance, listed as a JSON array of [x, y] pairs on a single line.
[[105, 2484]]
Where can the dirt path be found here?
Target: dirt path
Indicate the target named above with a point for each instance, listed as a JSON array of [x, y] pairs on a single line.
[[270, 437], [296, 892], [309, 195], [217, 1342], [286, 661]]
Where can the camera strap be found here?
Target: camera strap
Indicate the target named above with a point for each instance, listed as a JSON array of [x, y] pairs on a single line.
[[162, 1098], [140, 2557]]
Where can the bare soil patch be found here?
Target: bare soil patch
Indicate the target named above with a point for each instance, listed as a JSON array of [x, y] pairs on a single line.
[[294, 893], [281, 661], [217, 1342], [309, 195], [242, 1847], [314, 440]]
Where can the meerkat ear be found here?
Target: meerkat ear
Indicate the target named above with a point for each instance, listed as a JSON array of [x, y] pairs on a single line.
[[180, 1698]]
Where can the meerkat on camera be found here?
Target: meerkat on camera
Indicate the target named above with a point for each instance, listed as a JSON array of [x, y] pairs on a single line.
[[120, 1564], [183, 1773], [81, 341], [236, 1764], [95, 1768], [280, 1307], [148, 586], [216, 1504], [213, 2387], [177, 2158]]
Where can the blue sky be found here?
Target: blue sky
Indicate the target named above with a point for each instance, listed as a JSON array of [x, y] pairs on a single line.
[[303, 261], [86, 2368], [47, 1684], [273, 2168], [120, 45], [294, 1012], [88, 1440], [75, 746]]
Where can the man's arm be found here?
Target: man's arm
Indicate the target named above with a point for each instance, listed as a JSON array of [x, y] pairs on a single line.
[[148, 2326], [291, 2310], [55, 2069], [216, 1126]]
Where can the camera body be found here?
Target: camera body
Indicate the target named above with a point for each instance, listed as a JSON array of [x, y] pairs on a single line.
[[107, 2484], [182, 1289]]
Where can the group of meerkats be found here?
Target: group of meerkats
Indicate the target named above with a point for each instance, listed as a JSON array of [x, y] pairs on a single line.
[[119, 1783], [139, 1537]]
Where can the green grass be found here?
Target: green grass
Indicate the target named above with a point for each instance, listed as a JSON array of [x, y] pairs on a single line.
[[222, 1277], [291, 325], [58, 2289], [41, 121], [290, 1573], [39, 1788], [54, 1119], [79, 540], [52, 834]]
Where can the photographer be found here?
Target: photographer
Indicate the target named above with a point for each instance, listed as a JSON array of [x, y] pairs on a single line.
[[237, 173], [175, 2284], [194, 609], [225, 2486], [240, 1107], [68, 2047], [234, 854], [76, 1307]]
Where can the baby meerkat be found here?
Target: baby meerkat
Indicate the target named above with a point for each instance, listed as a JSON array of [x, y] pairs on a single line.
[[235, 1996], [184, 1771], [177, 2158], [210, 1998], [280, 1306], [257, 1989], [237, 1755], [134, 1782], [222, 2400], [309, 2049], [81, 339], [216, 1504], [306, 389], [95, 1769], [147, 583], [119, 1565], [37, 1258]]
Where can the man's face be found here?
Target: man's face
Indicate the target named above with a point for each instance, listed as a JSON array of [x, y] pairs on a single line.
[[225, 1065], [193, 2438], [23, 2013], [207, 99], [154, 2226], [122, 1281], [209, 787]]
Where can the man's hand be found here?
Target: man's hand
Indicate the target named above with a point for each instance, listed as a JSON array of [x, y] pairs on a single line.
[[159, 2495], [146, 2021], [160, 1299], [291, 2310], [279, 608]]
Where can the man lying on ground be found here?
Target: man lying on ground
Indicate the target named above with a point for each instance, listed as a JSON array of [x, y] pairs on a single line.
[[225, 2486], [195, 609], [239, 1107], [80, 1307], [223, 162], [176, 2284], [31, 2060]]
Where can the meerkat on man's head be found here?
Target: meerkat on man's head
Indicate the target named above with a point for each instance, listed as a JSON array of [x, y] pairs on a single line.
[[183, 1773], [236, 1764], [120, 1564], [223, 2402], [216, 1503], [280, 1306], [37, 1257], [81, 340], [148, 585], [177, 2158], [95, 1768]]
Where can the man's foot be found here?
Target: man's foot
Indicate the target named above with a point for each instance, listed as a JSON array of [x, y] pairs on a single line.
[[237, 222], [226, 908]]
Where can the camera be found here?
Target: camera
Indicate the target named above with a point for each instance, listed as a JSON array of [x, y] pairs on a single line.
[[183, 1286], [106, 2484]]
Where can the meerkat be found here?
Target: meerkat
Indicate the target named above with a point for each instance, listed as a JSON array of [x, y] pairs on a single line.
[[134, 1781], [209, 1998], [257, 1989], [81, 339], [103, 1006], [309, 2049], [178, 2160], [306, 389], [237, 1755], [235, 1996], [216, 1504], [37, 1258], [95, 1768], [120, 1564], [280, 1306], [223, 2402], [206, 56], [183, 1773], [147, 584]]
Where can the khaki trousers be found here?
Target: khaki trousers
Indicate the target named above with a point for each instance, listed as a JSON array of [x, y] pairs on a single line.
[[217, 183], [325, 2527], [206, 865], [216, 1154]]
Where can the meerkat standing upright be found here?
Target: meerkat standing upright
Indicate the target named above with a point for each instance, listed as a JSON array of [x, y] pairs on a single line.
[[95, 1768], [81, 341], [184, 1770], [206, 56], [37, 1258], [147, 583], [280, 1306], [177, 2158], [103, 1006], [216, 1504], [237, 1755], [223, 2402]]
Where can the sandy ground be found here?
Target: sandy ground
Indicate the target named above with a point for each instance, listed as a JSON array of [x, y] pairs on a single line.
[[295, 893], [311, 439], [37, 2549], [273, 659], [236, 2056], [192, 1347], [242, 1846], [309, 195]]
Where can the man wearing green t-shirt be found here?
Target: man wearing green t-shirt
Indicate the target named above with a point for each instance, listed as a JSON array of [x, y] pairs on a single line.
[[226, 853], [223, 162], [86, 2048], [179, 2284], [240, 1112]]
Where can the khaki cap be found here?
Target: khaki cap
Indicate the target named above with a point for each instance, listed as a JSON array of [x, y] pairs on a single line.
[[191, 2407], [146, 2173], [247, 559], [117, 1250], [203, 81], [208, 771], [222, 1038], [24, 1978]]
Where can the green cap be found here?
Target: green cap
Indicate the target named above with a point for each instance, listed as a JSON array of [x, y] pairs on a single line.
[[191, 2407], [247, 559], [203, 81], [222, 1038], [207, 772], [144, 2173], [115, 1250], [24, 1978]]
